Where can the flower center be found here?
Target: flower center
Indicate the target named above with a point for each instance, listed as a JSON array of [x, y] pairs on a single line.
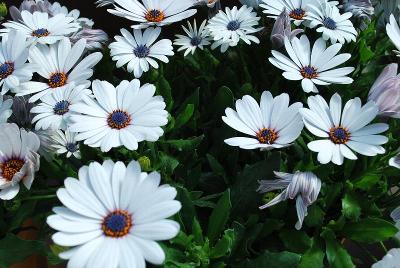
[[71, 147], [339, 135], [297, 14], [141, 51], [267, 136], [154, 15], [233, 25], [11, 167], [329, 23], [119, 119], [61, 107], [57, 80], [42, 32], [117, 224], [309, 72], [6, 69], [195, 41]]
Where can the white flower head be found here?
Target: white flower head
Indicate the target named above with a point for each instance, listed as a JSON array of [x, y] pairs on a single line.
[[312, 67], [124, 115], [39, 27], [5, 109], [391, 259], [229, 27], [343, 132], [65, 143], [60, 65], [273, 123], [13, 67], [302, 186], [334, 26], [18, 161], [140, 50], [393, 31], [153, 12], [113, 216], [54, 109], [194, 38]]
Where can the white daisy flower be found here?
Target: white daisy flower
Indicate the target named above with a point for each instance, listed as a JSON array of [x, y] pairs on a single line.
[[113, 216], [66, 143], [54, 109], [333, 25], [5, 109], [312, 67], [393, 31], [229, 27], [60, 65], [343, 132], [38, 27], [153, 12], [13, 56], [18, 161], [141, 50], [195, 38], [391, 259], [273, 123], [124, 115]]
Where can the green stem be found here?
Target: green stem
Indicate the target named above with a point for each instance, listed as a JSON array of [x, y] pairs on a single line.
[[383, 246], [40, 197]]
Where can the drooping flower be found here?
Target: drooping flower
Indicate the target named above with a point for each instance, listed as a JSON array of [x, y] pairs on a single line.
[[385, 92], [39, 27], [113, 216], [391, 259], [31, 6], [140, 50], [54, 109], [21, 114], [153, 13], [195, 38], [282, 28], [95, 38], [229, 27], [302, 186], [125, 115], [65, 143], [384, 9], [343, 132], [60, 65], [334, 26], [272, 124], [5, 109], [18, 161], [393, 31], [361, 9], [13, 67], [312, 67]]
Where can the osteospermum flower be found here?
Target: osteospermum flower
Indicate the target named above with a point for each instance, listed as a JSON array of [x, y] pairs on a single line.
[[5, 109], [195, 38], [141, 50], [302, 186], [153, 13], [18, 159], [60, 65], [229, 27], [113, 215], [361, 9], [391, 259], [54, 109], [65, 143], [334, 26], [343, 132], [273, 123], [124, 115], [296, 9], [13, 67], [312, 67], [393, 31], [38, 27]]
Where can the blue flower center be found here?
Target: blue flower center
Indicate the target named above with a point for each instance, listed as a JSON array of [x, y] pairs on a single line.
[[117, 224], [339, 135], [57, 80], [329, 23], [233, 25], [141, 51], [61, 107], [267, 136], [6, 69], [297, 14], [308, 72], [71, 147], [195, 41], [119, 119], [40, 32]]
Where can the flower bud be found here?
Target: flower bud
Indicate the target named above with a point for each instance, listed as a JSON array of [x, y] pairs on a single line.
[[145, 163], [282, 28]]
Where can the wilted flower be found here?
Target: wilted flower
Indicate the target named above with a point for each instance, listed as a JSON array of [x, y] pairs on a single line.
[[304, 186], [30, 6], [282, 28], [385, 92], [95, 38], [361, 9], [383, 10], [21, 114]]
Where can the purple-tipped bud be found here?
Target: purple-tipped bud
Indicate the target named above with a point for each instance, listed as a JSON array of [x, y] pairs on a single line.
[[385, 92], [282, 28]]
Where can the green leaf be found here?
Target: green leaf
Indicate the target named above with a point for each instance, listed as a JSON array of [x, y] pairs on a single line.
[[184, 116], [185, 145], [224, 98], [365, 52], [369, 230], [219, 217], [366, 181], [26, 210], [296, 241], [216, 167], [197, 231], [188, 212], [337, 256], [313, 258], [224, 245], [167, 163], [351, 208], [315, 216], [282, 259], [164, 89], [14, 250]]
